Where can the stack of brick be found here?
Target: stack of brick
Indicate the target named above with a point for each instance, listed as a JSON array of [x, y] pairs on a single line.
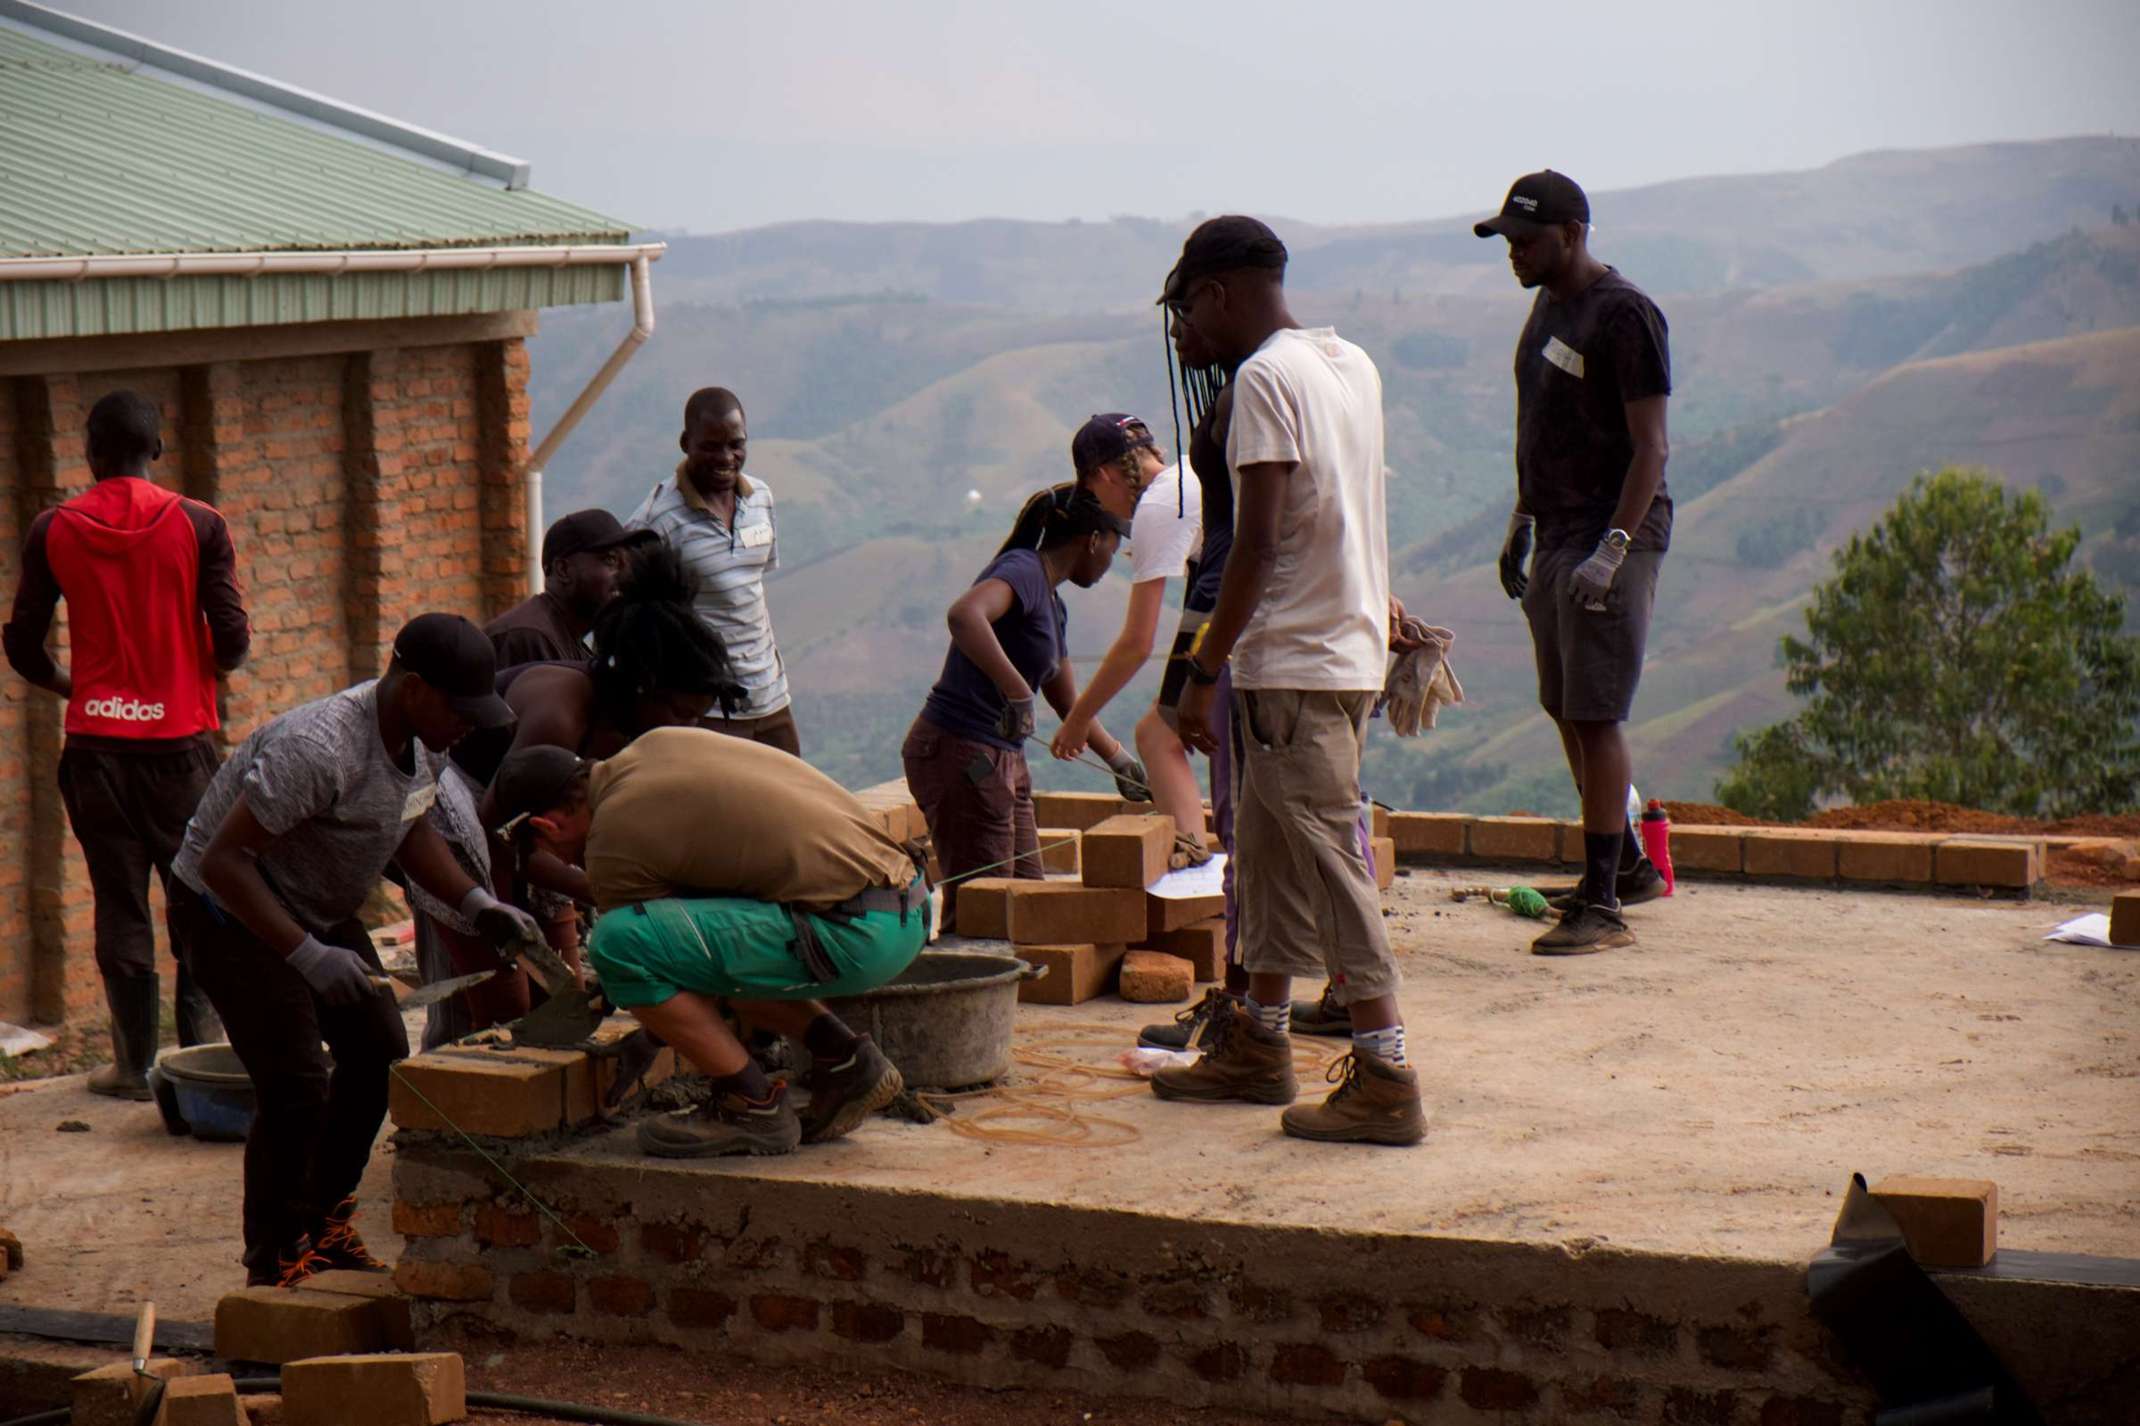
[[509, 1094]]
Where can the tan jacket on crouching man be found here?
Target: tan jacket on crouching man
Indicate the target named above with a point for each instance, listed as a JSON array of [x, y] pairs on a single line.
[[728, 872]]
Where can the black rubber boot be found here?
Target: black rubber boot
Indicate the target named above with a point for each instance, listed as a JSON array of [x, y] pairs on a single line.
[[133, 1001], [198, 1024]]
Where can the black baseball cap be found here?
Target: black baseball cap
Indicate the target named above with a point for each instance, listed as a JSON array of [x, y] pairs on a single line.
[[587, 532], [1223, 245], [456, 658], [1537, 200], [532, 781], [1107, 438]]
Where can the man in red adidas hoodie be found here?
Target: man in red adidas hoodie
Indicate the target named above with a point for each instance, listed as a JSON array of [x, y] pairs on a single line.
[[154, 614]]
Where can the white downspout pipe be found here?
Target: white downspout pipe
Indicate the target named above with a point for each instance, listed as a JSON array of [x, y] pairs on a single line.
[[642, 328]]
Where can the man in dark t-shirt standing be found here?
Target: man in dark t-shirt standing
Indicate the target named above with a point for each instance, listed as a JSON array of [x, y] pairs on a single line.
[[1593, 373], [582, 556]]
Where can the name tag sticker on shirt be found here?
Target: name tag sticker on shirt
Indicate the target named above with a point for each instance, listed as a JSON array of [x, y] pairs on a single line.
[[753, 537], [1565, 357], [419, 802]]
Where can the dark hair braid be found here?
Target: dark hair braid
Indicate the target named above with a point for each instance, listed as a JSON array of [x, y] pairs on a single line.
[[1058, 515], [649, 639]]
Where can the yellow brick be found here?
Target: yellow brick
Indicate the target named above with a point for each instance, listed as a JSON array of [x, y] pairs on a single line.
[[1790, 852], [1429, 834], [1947, 1222], [506, 1096], [1717, 849], [1385, 862], [1058, 849], [1885, 856], [1075, 809], [401, 1389], [1515, 839], [1126, 852], [1075, 972], [1155, 978], [983, 907], [1202, 945], [1163, 913], [1963, 861], [1059, 913]]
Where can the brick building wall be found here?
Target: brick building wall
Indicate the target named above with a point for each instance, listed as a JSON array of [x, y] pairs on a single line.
[[369, 471]]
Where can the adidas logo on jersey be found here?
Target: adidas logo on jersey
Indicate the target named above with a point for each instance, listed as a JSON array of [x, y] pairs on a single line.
[[126, 710]]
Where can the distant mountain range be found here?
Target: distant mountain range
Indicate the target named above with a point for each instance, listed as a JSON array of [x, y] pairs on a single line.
[[1833, 332]]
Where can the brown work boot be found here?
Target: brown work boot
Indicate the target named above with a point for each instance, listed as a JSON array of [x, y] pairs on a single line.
[[336, 1240], [1241, 1061], [1189, 1027], [725, 1124], [1585, 930], [1375, 1102], [845, 1094], [1322, 1016]]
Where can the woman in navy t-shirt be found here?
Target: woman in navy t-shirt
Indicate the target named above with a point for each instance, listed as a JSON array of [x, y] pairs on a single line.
[[965, 759]]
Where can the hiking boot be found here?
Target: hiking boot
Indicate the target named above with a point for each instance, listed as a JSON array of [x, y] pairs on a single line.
[[1189, 1027], [1375, 1102], [291, 1266], [1644, 883], [1324, 1017], [1583, 931], [113, 1082], [1241, 1060], [725, 1124], [845, 1094], [338, 1244]]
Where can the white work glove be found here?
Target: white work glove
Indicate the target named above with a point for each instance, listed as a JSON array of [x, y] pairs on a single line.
[[498, 922], [1516, 548], [1131, 780], [336, 974], [1015, 723], [1592, 579]]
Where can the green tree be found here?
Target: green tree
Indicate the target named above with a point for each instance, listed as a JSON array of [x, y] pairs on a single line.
[[1958, 655]]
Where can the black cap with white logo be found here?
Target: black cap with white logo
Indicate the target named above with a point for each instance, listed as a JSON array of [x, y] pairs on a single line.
[[1537, 200]]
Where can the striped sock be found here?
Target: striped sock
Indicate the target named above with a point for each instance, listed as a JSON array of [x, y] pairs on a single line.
[[1386, 1045], [1278, 1019]]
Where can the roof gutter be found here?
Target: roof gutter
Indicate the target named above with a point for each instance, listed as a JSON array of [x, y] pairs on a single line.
[[640, 257]]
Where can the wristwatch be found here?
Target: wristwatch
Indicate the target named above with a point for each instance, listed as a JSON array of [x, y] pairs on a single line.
[[1618, 539], [1198, 676]]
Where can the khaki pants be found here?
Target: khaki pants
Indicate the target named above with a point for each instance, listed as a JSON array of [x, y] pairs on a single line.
[[1309, 905]]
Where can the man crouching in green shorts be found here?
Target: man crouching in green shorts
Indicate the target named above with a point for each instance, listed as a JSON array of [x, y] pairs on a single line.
[[727, 870]]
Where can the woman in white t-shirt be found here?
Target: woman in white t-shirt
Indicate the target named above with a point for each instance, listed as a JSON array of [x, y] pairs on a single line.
[[1118, 460]]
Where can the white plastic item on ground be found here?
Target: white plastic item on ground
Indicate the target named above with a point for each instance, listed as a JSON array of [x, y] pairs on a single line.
[[21, 1040], [1145, 1061], [2090, 930]]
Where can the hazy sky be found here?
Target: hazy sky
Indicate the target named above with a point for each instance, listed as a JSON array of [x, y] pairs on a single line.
[[711, 116]]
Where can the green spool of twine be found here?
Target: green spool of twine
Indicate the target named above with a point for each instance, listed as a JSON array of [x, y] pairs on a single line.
[[1527, 903]]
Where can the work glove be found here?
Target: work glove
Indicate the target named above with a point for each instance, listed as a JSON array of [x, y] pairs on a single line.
[[336, 974], [497, 922], [1131, 780], [1592, 579], [1515, 549], [1188, 850], [1015, 723]]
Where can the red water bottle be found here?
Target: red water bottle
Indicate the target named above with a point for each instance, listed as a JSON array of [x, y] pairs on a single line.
[[1657, 840]]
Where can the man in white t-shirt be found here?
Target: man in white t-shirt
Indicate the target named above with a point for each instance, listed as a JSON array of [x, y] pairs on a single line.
[[1117, 459], [1303, 623]]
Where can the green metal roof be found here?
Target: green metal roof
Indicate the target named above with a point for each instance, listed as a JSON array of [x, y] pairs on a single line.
[[99, 157]]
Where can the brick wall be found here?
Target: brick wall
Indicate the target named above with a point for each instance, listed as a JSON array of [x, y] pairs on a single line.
[[361, 487]]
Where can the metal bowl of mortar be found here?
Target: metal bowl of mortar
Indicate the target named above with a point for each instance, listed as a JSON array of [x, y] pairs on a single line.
[[945, 1020]]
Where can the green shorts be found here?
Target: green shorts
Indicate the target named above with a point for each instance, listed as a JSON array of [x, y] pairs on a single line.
[[744, 950]]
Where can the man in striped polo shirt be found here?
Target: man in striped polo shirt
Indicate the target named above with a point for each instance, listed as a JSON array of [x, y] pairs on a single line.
[[720, 522]]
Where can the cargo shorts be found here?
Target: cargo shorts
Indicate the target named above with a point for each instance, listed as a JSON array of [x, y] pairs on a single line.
[[1308, 900]]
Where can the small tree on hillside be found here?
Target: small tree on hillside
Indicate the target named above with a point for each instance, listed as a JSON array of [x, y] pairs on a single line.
[[1955, 656]]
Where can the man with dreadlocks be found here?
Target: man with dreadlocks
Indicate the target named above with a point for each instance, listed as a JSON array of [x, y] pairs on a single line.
[[721, 522], [1302, 621], [965, 754]]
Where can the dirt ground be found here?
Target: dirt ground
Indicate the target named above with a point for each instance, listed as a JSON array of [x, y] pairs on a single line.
[[1706, 1092]]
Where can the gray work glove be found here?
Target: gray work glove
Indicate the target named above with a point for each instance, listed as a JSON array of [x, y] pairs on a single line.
[[1015, 723], [1515, 549], [1592, 579], [1131, 780], [336, 974], [496, 921]]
